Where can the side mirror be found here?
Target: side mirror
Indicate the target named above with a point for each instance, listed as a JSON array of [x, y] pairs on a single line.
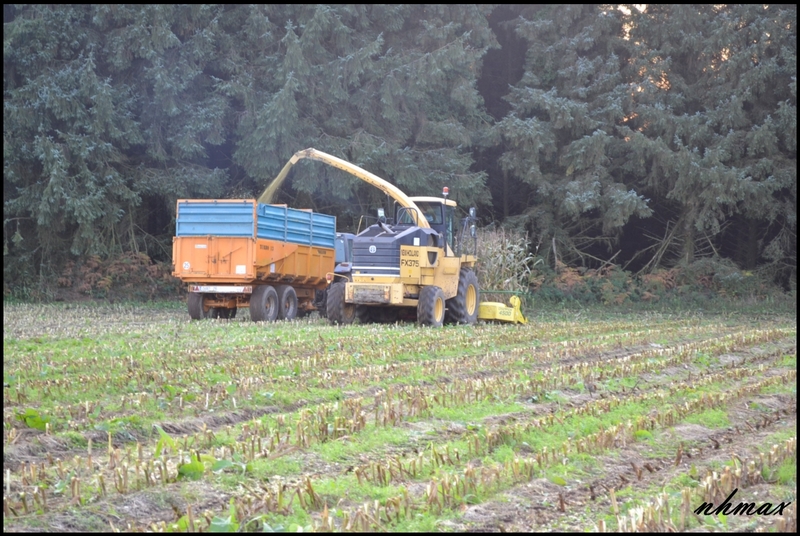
[[471, 212], [381, 215], [473, 232]]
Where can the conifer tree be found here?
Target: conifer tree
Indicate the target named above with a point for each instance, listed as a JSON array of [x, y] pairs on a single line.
[[560, 138], [387, 87], [713, 128], [114, 111], [104, 104]]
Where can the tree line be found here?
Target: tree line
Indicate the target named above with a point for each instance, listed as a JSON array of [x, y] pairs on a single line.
[[647, 136]]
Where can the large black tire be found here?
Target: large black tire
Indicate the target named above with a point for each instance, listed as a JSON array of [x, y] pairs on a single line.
[[195, 306], [430, 308], [287, 303], [463, 307], [338, 311], [264, 304]]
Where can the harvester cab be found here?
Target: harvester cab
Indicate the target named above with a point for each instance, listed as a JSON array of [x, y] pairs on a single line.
[[440, 213]]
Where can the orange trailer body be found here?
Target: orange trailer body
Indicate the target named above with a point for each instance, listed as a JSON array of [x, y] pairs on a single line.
[[247, 261], [228, 250]]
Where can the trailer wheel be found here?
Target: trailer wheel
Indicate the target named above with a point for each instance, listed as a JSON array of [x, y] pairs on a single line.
[[195, 306], [287, 303], [264, 304], [430, 309], [463, 308], [339, 311]]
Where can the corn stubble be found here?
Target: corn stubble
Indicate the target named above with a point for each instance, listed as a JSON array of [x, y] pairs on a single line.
[[326, 388]]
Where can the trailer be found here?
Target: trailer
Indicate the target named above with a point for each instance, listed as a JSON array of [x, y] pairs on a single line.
[[235, 253]]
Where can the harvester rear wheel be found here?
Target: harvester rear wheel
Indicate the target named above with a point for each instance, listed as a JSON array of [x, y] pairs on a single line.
[[463, 308], [339, 311], [430, 308], [264, 304], [195, 306], [287, 303]]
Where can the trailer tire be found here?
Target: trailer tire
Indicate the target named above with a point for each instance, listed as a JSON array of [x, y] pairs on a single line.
[[463, 308], [195, 306], [431, 307], [339, 311], [264, 304], [287, 303]]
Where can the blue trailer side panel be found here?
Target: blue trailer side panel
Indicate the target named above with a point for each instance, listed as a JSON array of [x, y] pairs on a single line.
[[210, 218], [235, 218], [324, 230], [296, 226]]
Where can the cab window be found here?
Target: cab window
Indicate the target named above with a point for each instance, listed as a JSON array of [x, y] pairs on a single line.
[[450, 217]]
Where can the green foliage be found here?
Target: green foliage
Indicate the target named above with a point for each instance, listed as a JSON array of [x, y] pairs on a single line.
[[165, 440], [703, 283], [395, 96], [101, 117], [192, 470], [661, 134], [712, 127], [681, 111], [786, 474], [114, 112], [33, 419], [130, 275], [560, 139], [712, 418], [225, 524]]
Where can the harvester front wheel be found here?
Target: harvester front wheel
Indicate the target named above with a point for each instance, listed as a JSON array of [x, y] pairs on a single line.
[[264, 304], [430, 308], [463, 308], [287, 303], [339, 311], [195, 306]]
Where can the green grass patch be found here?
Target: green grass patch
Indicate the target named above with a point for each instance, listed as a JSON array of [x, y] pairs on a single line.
[[346, 487], [785, 389], [788, 360], [710, 418], [370, 440], [786, 475], [263, 469], [781, 435], [475, 411]]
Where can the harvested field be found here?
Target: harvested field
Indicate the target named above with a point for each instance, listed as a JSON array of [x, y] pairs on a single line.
[[133, 418]]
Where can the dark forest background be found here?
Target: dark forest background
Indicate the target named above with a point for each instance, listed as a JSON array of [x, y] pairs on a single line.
[[647, 137]]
